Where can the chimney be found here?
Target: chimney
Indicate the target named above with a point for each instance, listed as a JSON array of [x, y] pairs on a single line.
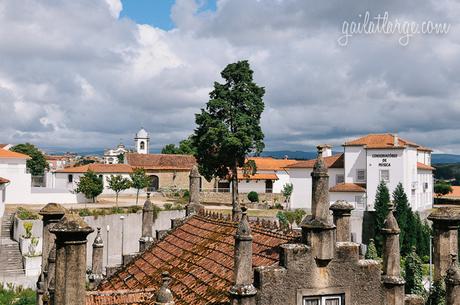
[[341, 211], [51, 214], [445, 225], [317, 231], [327, 150], [147, 223], [395, 140], [71, 233], [97, 259], [164, 296], [194, 205], [391, 277], [453, 283], [243, 291]]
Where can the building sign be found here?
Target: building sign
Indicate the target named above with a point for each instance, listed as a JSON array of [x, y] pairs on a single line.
[[384, 162]]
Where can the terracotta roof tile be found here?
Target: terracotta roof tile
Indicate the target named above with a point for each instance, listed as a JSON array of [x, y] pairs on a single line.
[[268, 163], [161, 161], [98, 168], [12, 155], [335, 161], [455, 192], [4, 180], [424, 166], [199, 257], [383, 140], [348, 187]]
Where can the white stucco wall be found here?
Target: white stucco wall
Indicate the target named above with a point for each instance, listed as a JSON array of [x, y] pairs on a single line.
[[283, 178], [355, 158], [246, 186], [18, 189], [301, 193]]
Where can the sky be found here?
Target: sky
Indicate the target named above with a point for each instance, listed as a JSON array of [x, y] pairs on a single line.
[[88, 74]]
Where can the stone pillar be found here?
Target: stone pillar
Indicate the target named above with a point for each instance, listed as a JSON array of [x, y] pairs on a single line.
[[453, 283], [341, 211], [194, 205], [164, 296], [51, 274], [97, 259], [147, 223], [391, 277], [71, 233], [445, 226], [51, 213], [317, 231], [243, 291]]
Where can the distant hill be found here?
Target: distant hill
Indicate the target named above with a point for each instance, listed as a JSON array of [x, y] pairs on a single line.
[[445, 158]]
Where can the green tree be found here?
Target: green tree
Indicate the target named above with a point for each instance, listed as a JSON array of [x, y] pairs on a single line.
[[11, 295], [118, 184], [423, 235], [381, 206], [37, 163], [287, 191], [437, 294], [139, 180], [185, 148], [90, 185], [442, 188], [121, 158], [414, 274], [404, 217], [229, 128], [371, 252]]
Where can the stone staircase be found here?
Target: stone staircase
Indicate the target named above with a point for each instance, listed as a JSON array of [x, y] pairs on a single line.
[[10, 254]]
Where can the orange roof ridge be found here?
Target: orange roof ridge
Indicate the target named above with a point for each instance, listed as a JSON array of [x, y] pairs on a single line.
[[9, 154]]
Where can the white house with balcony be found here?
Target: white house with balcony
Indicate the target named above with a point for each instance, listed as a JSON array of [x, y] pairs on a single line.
[[355, 174]]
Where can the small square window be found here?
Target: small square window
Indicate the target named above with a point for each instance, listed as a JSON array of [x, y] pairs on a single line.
[[384, 175], [324, 300], [70, 178], [339, 179], [361, 175]]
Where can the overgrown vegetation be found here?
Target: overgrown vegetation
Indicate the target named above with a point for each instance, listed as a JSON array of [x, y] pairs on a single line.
[[11, 295], [28, 229], [37, 163], [25, 214], [287, 218], [109, 211]]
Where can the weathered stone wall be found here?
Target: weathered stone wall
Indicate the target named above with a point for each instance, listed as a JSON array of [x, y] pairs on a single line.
[[226, 198], [298, 275], [177, 179]]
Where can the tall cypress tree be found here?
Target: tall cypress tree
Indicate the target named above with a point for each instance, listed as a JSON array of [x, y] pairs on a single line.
[[414, 274], [405, 219], [381, 206]]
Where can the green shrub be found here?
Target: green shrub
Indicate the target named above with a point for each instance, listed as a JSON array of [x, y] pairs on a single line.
[[278, 206], [84, 212], [253, 197], [167, 206], [186, 194], [134, 209], [178, 206], [25, 214], [11, 295]]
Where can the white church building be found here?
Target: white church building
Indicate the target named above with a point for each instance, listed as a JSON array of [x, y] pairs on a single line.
[[355, 174]]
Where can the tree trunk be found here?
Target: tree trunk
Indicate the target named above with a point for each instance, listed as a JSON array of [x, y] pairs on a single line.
[[116, 200], [236, 211], [137, 196]]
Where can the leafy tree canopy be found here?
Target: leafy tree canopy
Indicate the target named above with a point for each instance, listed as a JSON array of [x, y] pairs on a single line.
[[371, 252], [442, 188], [90, 185], [185, 148], [139, 180], [414, 274], [118, 183], [404, 217], [37, 163]]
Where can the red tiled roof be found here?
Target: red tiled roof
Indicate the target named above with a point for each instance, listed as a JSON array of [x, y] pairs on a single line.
[[3, 145], [12, 155], [161, 161], [455, 192], [120, 297], [268, 163], [4, 180], [258, 176], [383, 140], [335, 161], [199, 256], [99, 168], [424, 166], [347, 187]]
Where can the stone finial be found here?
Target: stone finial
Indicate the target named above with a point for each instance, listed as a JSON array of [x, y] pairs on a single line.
[[53, 209], [390, 226], [320, 166], [164, 295], [194, 205], [97, 260], [341, 210], [243, 290], [98, 242], [453, 282], [147, 225], [72, 225]]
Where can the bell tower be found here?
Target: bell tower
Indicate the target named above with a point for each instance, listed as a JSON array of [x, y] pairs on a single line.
[[141, 141]]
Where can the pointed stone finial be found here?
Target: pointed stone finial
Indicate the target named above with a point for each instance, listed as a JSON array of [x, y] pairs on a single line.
[[244, 230], [390, 226], [98, 242], [320, 166], [147, 225], [164, 295]]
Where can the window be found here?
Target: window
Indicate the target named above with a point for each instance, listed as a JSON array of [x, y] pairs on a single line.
[[339, 179], [142, 145], [361, 175], [324, 300], [425, 186], [360, 203], [70, 178], [384, 175]]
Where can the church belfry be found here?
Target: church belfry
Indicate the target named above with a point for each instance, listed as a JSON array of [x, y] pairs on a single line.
[[141, 141]]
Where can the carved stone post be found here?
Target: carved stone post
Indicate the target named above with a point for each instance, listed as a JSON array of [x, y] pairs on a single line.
[[341, 211], [194, 205], [445, 226], [147, 223], [394, 283], [243, 291], [97, 259], [317, 231], [453, 283], [51, 214], [164, 295], [71, 233]]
